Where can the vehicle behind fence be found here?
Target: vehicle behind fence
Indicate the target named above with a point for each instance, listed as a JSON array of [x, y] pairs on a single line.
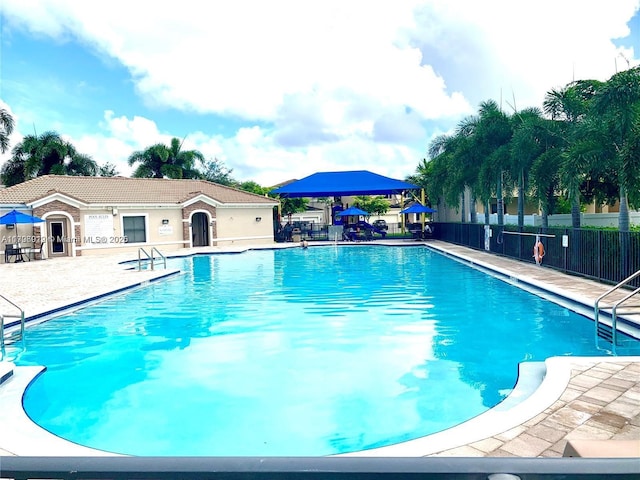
[[605, 255], [319, 231]]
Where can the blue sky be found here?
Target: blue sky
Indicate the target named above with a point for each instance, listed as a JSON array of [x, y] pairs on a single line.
[[282, 89]]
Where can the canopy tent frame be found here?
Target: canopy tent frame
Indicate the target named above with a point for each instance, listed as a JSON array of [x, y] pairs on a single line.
[[342, 184], [347, 183]]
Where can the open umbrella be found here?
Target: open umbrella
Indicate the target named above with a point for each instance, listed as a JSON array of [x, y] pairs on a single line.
[[418, 208], [352, 211], [14, 217]]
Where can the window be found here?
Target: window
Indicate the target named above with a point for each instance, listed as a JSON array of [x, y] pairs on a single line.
[[134, 229]]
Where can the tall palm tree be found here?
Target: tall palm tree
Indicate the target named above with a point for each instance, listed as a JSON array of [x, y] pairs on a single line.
[[617, 106], [6, 129], [571, 104], [159, 161], [44, 154], [544, 171], [492, 135], [617, 109], [469, 162], [527, 144], [444, 173]]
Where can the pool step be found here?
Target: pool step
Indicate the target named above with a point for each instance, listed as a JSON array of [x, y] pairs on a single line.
[[605, 332], [6, 371]]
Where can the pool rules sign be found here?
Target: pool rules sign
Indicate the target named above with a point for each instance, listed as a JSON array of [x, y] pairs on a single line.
[[98, 228]]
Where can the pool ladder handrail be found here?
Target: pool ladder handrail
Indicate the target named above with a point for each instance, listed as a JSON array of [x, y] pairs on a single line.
[[151, 257], [614, 307], [2, 318]]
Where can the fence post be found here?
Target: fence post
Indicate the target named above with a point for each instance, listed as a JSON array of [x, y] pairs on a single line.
[[600, 256]]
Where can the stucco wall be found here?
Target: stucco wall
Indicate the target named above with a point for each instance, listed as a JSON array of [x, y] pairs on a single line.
[[238, 225], [165, 236]]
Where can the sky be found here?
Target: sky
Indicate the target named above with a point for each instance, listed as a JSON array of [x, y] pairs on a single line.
[[280, 89]]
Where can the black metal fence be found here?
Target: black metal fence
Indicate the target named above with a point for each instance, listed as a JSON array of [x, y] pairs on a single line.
[[318, 231], [605, 255], [317, 468]]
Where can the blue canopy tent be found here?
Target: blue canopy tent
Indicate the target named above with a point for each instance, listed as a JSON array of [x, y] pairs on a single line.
[[338, 184], [351, 211], [425, 230], [344, 184], [418, 208]]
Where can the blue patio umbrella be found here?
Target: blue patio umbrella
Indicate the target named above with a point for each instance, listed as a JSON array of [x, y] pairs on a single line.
[[352, 211], [418, 208], [14, 217]]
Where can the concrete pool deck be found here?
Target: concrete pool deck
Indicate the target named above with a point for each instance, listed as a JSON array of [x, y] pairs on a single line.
[[595, 398]]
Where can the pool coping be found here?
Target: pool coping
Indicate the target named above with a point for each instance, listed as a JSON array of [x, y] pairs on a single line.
[[539, 385], [508, 414], [574, 302], [535, 390], [85, 302]]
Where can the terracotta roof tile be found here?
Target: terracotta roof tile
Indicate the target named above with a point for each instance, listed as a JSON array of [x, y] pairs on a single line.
[[124, 190]]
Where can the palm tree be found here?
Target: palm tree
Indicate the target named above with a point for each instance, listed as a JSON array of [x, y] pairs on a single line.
[[571, 104], [468, 162], [526, 145], [617, 106], [160, 161], [443, 173], [617, 113], [544, 171], [6, 129], [492, 135], [45, 154]]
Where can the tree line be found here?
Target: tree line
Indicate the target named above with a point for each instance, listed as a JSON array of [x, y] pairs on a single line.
[[49, 154], [583, 146]]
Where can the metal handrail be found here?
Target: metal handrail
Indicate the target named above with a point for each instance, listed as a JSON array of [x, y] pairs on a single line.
[[164, 259], [614, 314], [614, 307], [150, 257], [3, 316], [140, 251]]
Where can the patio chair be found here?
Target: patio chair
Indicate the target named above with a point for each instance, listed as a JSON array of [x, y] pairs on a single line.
[[11, 250], [34, 251]]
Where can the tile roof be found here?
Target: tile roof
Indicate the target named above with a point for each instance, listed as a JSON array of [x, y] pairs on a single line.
[[124, 190]]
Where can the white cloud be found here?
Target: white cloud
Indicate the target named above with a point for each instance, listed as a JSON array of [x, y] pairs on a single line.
[[522, 49], [330, 85], [15, 136], [245, 57]]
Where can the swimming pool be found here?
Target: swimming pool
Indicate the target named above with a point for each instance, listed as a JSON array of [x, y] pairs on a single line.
[[291, 352]]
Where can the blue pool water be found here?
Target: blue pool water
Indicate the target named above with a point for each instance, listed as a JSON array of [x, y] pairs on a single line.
[[291, 352]]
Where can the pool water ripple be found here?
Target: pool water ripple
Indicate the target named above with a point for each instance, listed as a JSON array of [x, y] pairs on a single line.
[[291, 352]]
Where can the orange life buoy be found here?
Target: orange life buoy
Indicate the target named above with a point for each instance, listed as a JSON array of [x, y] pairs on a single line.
[[538, 252]]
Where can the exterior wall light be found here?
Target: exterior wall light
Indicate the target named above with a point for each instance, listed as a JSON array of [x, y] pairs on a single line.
[[258, 219]]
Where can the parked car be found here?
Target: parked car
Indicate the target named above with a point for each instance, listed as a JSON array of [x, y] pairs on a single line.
[[380, 224]]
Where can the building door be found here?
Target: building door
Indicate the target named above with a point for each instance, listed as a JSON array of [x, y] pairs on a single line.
[[57, 238], [200, 230]]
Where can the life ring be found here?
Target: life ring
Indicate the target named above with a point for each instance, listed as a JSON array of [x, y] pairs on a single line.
[[538, 251]]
